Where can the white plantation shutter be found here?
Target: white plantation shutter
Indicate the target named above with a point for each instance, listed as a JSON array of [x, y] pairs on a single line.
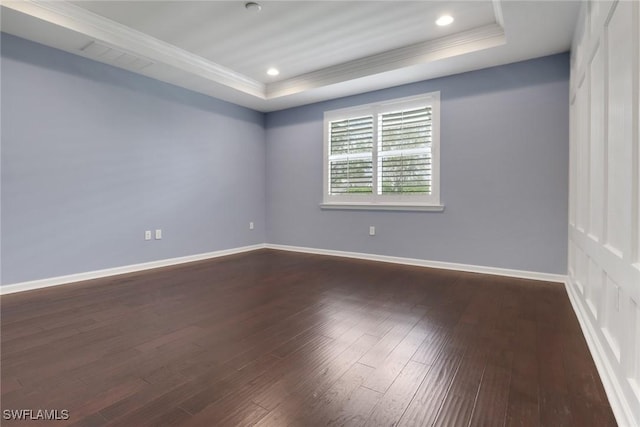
[[384, 154], [351, 156], [404, 157]]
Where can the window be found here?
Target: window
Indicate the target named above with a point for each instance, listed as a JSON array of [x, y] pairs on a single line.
[[383, 155]]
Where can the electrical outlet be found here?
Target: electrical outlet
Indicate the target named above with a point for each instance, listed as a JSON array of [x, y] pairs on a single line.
[[251, 225], [158, 234], [147, 235], [372, 230]]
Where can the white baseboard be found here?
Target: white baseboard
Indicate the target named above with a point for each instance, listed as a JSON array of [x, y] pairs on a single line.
[[62, 280], [547, 277], [612, 383]]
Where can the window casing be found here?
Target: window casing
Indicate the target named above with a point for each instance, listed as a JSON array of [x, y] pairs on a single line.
[[383, 154]]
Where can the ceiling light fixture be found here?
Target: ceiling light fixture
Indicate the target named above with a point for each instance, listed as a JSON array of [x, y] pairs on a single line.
[[253, 7], [273, 71], [444, 20]]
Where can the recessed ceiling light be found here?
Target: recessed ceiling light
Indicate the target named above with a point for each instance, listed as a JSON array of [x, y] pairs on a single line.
[[273, 71], [253, 7], [444, 20]]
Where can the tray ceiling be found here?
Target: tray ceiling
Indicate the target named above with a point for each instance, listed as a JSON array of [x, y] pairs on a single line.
[[323, 49]]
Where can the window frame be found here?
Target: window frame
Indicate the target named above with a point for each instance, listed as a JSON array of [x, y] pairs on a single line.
[[374, 200]]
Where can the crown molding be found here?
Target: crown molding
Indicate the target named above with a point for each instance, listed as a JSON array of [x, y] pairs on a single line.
[[468, 41], [121, 37]]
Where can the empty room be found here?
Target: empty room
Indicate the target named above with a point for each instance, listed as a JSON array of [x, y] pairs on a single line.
[[320, 213]]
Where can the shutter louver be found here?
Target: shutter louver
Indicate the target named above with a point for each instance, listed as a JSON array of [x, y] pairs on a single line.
[[404, 159], [352, 136], [350, 156], [351, 176]]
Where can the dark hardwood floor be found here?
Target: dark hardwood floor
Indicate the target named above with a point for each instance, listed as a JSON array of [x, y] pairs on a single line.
[[274, 339]]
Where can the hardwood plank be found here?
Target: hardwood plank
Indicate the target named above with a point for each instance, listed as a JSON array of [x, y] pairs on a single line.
[[174, 417], [555, 408], [318, 374], [100, 401], [389, 341], [293, 402], [553, 398], [522, 407], [344, 402], [426, 403], [387, 371], [493, 395], [220, 389], [425, 406], [491, 404], [432, 345], [583, 384], [356, 408], [397, 398], [246, 413], [461, 397]]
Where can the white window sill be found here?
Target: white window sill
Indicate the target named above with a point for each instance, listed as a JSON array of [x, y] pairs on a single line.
[[382, 207]]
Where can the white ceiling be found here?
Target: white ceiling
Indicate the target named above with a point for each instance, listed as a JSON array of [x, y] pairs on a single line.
[[323, 49], [297, 37]]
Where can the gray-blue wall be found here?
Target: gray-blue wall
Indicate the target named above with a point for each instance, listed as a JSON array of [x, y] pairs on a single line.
[[504, 167], [92, 156]]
